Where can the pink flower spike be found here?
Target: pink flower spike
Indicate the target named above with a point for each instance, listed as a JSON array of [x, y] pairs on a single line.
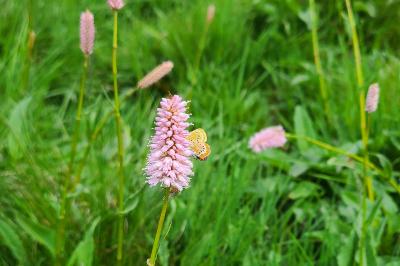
[[155, 75], [169, 160], [116, 4], [210, 13], [270, 137], [371, 103], [87, 32]]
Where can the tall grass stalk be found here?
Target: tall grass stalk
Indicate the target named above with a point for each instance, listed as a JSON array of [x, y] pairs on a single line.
[[317, 60], [202, 43], [31, 37], [98, 128], [66, 182], [353, 156], [363, 127], [360, 83], [153, 256], [120, 142]]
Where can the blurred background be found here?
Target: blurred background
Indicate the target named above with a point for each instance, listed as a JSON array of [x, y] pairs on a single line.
[[251, 67]]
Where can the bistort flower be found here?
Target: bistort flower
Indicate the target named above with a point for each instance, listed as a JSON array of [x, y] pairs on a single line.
[[169, 160], [371, 103], [270, 137], [87, 32], [155, 75], [116, 4]]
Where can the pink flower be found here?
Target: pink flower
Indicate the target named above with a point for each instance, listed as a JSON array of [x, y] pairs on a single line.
[[116, 4], [87, 32], [210, 13], [371, 103], [270, 137], [169, 160], [155, 75]]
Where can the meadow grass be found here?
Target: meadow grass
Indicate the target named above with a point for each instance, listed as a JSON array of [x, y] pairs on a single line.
[[252, 67]]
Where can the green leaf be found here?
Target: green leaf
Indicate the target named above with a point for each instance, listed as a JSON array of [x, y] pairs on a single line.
[[347, 251], [10, 238], [370, 252], [388, 204], [303, 127], [17, 123], [303, 190], [130, 205], [39, 233], [298, 168], [83, 253]]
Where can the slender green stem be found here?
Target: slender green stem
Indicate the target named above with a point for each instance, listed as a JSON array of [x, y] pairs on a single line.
[[356, 45], [99, 127], [201, 47], [360, 83], [120, 144], [364, 135], [153, 257], [355, 157], [30, 45], [317, 60], [363, 127], [66, 183]]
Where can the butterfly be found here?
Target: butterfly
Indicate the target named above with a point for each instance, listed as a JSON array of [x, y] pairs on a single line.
[[200, 148]]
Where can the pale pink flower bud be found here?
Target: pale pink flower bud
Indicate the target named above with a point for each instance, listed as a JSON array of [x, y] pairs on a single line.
[[270, 137], [116, 4], [169, 160], [371, 103], [87, 32], [155, 75], [210, 13]]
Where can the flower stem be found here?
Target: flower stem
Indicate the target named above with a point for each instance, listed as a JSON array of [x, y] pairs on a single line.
[[99, 127], [355, 157], [120, 143], [153, 256], [317, 60], [363, 127], [64, 193]]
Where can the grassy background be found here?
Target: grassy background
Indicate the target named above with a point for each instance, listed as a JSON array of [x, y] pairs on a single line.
[[296, 206]]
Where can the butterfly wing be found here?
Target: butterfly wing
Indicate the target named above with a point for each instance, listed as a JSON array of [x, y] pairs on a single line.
[[201, 150], [197, 135]]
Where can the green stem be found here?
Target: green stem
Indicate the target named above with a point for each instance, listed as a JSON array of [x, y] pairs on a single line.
[[120, 144], [355, 157], [99, 127], [64, 193], [317, 60], [364, 136], [153, 257], [363, 127], [356, 45]]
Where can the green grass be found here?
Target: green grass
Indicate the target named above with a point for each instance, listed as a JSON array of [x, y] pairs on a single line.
[[294, 206]]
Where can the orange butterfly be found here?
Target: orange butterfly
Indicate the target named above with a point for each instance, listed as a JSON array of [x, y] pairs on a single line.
[[200, 148]]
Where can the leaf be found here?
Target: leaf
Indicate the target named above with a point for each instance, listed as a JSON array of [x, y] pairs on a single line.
[[385, 163], [303, 127], [303, 190], [347, 251], [388, 204], [17, 138], [40, 234], [298, 168], [10, 238], [130, 205], [83, 253], [370, 252]]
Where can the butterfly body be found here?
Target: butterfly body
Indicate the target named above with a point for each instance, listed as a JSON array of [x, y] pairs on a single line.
[[198, 145]]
